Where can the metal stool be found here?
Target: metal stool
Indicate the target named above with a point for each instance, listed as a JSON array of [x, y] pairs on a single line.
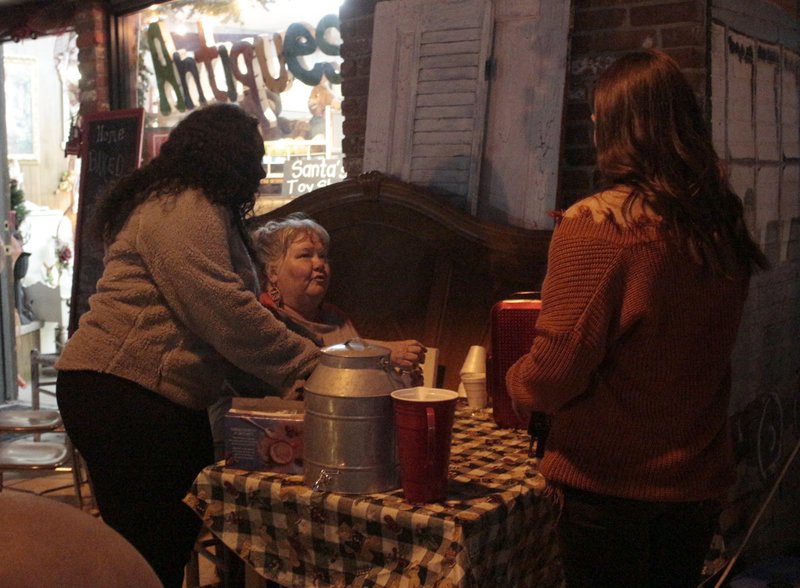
[[24, 455], [38, 384]]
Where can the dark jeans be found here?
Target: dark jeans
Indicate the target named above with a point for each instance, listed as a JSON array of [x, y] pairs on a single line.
[[143, 452], [609, 542]]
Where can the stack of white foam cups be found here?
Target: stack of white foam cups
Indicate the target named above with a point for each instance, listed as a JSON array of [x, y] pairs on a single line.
[[473, 377]]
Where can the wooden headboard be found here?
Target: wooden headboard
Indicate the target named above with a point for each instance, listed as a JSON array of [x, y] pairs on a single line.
[[405, 265]]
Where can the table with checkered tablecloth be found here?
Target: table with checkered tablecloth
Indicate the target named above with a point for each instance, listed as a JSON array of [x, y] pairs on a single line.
[[494, 529]]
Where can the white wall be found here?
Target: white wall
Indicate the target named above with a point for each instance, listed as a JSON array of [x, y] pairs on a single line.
[[42, 173]]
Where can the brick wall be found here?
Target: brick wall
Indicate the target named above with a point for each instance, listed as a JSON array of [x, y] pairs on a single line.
[[356, 24], [604, 29], [91, 25]]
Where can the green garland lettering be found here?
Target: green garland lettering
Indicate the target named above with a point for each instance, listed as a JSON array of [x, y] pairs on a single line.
[[176, 70]]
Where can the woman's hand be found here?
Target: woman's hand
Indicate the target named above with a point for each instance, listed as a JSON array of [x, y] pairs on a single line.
[[406, 354]]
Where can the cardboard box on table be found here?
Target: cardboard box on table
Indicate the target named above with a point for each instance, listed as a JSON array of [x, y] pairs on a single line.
[[265, 434]]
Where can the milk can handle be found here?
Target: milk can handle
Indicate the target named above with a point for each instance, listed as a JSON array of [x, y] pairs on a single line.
[[356, 342], [386, 365], [431, 416]]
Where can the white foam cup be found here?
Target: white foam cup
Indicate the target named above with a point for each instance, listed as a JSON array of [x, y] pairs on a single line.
[[475, 388]]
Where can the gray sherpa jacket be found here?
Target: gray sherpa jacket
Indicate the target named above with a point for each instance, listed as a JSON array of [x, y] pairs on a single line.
[[176, 309]]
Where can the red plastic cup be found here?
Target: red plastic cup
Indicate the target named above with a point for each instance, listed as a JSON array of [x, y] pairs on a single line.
[[423, 419]]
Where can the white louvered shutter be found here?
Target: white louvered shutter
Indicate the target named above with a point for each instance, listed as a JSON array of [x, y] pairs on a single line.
[[427, 117], [427, 95]]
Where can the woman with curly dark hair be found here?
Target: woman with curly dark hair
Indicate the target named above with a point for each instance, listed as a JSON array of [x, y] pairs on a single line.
[[641, 304], [175, 313]]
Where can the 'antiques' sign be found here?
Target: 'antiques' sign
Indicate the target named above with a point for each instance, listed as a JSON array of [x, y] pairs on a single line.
[[263, 66], [303, 174]]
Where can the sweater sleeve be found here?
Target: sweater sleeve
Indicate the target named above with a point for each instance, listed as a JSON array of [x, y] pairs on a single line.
[[580, 300], [184, 242]]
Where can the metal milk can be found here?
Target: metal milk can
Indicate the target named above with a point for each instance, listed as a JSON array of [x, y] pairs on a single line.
[[349, 439]]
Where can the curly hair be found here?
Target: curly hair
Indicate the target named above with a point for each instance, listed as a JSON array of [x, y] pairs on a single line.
[[651, 137], [216, 149], [272, 240]]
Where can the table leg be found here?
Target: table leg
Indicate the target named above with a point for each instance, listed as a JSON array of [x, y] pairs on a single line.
[[252, 579]]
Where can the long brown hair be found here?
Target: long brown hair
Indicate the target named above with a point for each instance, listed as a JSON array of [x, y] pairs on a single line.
[[216, 149], [651, 137]]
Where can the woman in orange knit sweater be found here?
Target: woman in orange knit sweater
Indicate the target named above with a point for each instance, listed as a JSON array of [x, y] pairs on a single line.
[[641, 304]]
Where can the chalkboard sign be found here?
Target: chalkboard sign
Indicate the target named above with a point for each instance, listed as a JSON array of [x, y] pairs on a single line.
[[111, 147]]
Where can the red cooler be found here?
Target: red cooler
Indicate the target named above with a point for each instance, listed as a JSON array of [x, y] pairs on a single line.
[[512, 331]]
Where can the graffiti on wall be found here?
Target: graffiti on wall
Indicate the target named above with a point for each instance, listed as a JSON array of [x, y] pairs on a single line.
[[755, 112]]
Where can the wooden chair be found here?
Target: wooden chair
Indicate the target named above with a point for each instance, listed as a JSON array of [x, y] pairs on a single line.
[[406, 265]]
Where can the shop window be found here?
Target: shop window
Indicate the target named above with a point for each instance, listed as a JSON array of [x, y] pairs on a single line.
[[279, 60]]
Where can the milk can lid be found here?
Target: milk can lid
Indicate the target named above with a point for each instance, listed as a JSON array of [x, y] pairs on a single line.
[[356, 348], [353, 369]]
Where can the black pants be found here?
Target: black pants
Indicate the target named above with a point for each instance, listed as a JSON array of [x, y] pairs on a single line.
[[609, 542], [143, 452]]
